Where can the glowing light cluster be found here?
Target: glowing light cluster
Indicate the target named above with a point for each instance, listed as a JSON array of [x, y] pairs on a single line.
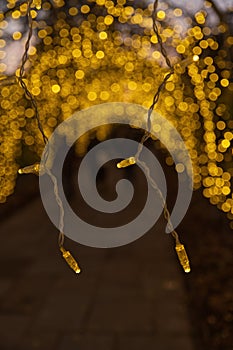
[[104, 51]]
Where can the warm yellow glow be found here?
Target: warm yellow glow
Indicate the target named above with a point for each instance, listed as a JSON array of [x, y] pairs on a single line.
[[17, 35], [100, 54], [126, 162], [30, 169], [103, 35], [84, 59], [183, 257], [79, 74], [56, 88], [70, 260], [161, 15], [85, 9], [73, 11]]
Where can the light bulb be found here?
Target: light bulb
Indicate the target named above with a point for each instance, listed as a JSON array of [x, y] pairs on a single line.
[[195, 58], [126, 162], [70, 260], [30, 169], [183, 257], [186, 62]]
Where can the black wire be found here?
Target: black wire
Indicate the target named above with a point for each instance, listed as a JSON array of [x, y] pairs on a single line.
[[156, 30], [22, 72], [161, 86]]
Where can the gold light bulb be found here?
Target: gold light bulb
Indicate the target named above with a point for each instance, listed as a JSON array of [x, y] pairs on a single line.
[[186, 62], [126, 162], [70, 260], [30, 169], [183, 257]]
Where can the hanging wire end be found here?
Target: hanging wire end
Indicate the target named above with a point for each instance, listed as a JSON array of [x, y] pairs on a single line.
[[183, 257], [70, 260]]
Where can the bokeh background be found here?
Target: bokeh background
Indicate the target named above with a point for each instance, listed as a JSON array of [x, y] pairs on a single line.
[[84, 53]]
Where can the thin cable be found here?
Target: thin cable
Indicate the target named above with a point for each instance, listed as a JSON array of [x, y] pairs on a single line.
[[22, 72], [156, 30], [61, 237], [146, 136], [40, 126], [165, 208]]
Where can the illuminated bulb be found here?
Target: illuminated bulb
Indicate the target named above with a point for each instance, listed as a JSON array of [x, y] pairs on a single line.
[[187, 61], [183, 257], [70, 260], [126, 162], [30, 169], [195, 58]]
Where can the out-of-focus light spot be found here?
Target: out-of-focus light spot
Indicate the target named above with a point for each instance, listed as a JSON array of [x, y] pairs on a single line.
[[180, 168], [56, 88], [17, 35], [103, 35]]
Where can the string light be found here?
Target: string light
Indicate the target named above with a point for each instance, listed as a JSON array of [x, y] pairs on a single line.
[[35, 168], [183, 257], [185, 63], [60, 81], [70, 260], [126, 162], [180, 249], [30, 169]]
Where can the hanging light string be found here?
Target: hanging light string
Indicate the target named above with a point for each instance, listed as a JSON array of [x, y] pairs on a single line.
[[132, 160], [22, 71], [163, 51], [156, 31], [180, 249], [36, 168]]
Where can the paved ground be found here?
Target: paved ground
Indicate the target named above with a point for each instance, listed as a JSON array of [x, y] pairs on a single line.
[[131, 297]]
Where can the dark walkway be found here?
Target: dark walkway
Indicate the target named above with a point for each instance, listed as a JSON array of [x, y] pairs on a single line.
[[130, 297]]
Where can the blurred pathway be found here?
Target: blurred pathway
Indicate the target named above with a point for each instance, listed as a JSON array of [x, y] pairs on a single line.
[[130, 297]]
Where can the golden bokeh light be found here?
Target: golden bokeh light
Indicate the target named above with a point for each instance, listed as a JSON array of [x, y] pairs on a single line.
[[107, 51]]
